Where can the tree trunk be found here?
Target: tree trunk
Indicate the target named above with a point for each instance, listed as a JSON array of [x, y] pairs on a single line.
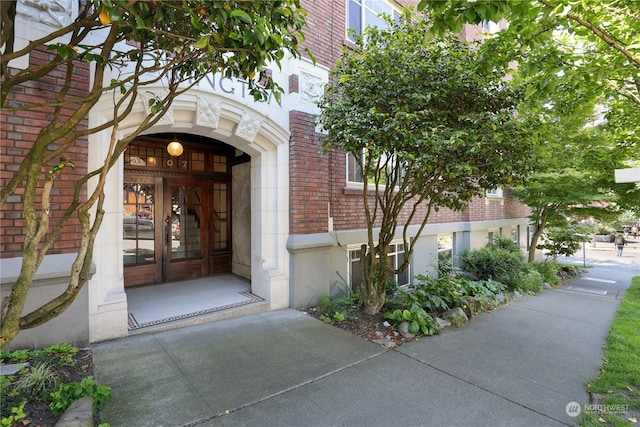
[[373, 288], [534, 243]]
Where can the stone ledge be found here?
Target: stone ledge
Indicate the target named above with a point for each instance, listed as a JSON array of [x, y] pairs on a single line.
[[53, 267], [79, 414]]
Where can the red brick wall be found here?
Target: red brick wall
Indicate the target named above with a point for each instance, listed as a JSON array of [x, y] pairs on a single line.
[[18, 132], [326, 30], [309, 175], [348, 212], [310, 170], [325, 33]]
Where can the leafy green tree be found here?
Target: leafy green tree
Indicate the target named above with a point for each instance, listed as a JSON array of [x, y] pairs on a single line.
[[564, 240], [574, 160], [571, 56], [428, 130], [588, 48], [559, 195], [144, 44], [581, 42]]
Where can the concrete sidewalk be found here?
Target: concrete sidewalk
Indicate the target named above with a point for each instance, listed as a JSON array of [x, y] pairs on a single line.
[[521, 364], [607, 252]]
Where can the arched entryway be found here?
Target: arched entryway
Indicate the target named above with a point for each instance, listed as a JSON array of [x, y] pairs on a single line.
[[259, 147]]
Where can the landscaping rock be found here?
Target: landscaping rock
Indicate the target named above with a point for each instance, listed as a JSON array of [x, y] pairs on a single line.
[[404, 330], [386, 343], [442, 323], [473, 306], [79, 414], [12, 368], [465, 305], [456, 316]]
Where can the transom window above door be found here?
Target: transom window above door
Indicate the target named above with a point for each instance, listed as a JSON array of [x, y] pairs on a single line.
[[141, 156]]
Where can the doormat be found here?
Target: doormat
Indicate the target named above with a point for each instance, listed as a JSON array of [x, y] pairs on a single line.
[[251, 298]]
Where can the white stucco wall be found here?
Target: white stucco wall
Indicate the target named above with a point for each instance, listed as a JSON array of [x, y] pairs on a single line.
[[320, 262], [51, 280], [241, 220]]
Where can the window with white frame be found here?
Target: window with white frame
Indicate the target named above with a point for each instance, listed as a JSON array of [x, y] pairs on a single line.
[[490, 26], [493, 233], [445, 248], [515, 234], [354, 168], [361, 13], [495, 192], [396, 257]]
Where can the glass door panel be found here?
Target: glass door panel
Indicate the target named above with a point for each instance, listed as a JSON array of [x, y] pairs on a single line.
[[138, 223], [186, 222], [220, 217]]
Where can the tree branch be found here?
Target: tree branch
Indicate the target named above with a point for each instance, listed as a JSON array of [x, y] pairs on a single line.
[[607, 38]]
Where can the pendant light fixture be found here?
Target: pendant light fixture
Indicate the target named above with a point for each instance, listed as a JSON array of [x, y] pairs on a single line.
[[175, 148]]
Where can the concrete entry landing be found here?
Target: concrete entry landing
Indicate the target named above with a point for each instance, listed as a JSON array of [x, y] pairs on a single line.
[[184, 303]]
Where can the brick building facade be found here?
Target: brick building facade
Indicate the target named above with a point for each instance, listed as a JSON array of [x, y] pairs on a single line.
[[292, 221]]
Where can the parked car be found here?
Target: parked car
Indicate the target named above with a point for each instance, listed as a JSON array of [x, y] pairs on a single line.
[[129, 223], [144, 230]]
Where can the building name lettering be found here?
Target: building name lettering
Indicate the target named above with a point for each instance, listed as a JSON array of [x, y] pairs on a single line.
[[236, 87]]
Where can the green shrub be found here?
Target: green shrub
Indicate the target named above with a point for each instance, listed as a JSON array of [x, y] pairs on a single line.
[[444, 293], [445, 288], [529, 281], [482, 289], [325, 300], [434, 293], [419, 320], [339, 308], [37, 379], [506, 244], [16, 356], [42, 382], [16, 414], [65, 394], [564, 240], [549, 270], [445, 265], [501, 260], [9, 397], [64, 352]]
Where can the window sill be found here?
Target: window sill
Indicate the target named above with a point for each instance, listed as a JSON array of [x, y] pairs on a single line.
[[358, 188]]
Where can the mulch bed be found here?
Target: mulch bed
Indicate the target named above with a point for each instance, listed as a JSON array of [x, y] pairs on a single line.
[[363, 325], [37, 411]]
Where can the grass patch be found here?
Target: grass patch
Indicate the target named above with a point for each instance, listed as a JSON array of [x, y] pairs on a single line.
[[616, 389]]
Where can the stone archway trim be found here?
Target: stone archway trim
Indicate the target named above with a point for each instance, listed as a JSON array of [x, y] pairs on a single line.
[[239, 125]]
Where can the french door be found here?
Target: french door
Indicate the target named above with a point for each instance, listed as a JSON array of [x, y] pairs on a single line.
[[185, 214], [174, 229]]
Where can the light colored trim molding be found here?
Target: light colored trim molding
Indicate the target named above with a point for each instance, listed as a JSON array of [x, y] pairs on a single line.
[[52, 267]]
